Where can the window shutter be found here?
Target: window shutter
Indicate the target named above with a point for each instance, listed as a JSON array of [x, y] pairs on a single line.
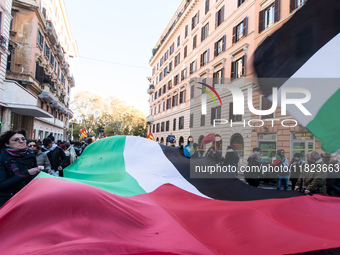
[[222, 14], [184, 96], [216, 19], [292, 5], [261, 21], [198, 16], [223, 43], [219, 112], [245, 26], [207, 55], [192, 23], [215, 50], [212, 116], [202, 56], [230, 111], [244, 58], [277, 10], [232, 75], [222, 75], [202, 34], [234, 34]]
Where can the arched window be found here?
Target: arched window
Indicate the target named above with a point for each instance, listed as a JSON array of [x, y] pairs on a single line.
[[181, 141], [157, 140], [238, 144], [162, 140], [190, 140]]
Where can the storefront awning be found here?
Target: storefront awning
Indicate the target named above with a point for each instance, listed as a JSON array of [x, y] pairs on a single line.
[[28, 110]]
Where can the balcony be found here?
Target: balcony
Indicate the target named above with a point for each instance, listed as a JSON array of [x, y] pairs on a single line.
[[50, 33], [71, 81], [56, 105], [149, 119], [3, 43], [151, 89], [60, 53]]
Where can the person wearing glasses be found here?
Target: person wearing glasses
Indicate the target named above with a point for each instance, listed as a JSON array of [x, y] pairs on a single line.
[[42, 159], [18, 164]]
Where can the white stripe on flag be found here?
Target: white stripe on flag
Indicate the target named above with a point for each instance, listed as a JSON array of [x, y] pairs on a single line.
[[325, 63], [153, 168]]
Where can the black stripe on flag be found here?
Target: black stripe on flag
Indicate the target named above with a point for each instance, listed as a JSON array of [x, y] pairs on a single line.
[[231, 189], [286, 51]]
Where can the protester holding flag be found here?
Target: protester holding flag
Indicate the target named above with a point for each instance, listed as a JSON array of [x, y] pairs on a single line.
[[18, 164]]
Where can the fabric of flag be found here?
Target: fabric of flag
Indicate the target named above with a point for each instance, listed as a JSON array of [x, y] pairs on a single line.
[[150, 137], [103, 135], [305, 53], [115, 200], [208, 139], [82, 133]]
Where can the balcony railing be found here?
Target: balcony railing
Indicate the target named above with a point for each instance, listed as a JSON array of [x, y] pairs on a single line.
[[51, 33]]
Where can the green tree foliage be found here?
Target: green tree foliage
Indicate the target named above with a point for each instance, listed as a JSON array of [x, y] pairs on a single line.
[[92, 112]]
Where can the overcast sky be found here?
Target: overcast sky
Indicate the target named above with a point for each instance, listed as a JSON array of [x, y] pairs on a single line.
[[115, 39]]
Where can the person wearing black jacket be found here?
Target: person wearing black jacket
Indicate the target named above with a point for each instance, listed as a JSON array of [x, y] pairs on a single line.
[[18, 164], [56, 155]]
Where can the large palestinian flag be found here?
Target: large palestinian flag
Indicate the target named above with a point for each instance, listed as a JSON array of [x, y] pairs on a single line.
[[305, 53], [130, 195]]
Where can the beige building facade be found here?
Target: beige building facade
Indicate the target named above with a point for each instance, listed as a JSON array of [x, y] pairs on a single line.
[[38, 76], [213, 42]]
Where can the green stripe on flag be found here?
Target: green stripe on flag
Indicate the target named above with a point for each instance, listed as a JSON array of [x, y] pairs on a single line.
[[326, 124], [102, 165]]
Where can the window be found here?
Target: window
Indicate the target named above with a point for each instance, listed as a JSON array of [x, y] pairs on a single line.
[[296, 4], [194, 21], [155, 95], [166, 55], [177, 59], [182, 96], [266, 104], [215, 114], [174, 125], [269, 15], [239, 2], [176, 79], [194, 42], [241, 30], [185, 51], [170, 66], [202, 123], [218, 77], [52, 60], [40, 39], [205, 57], [233, 117], [167, 125], [161, 62], [159, 108], [267, 143], [193, 66], [160, 76], [192, 91], [219, 46], [178, 40], [162, 126], [10, 57], [207, 7], [191, 122], [219, 18], [164, 88], [160, 92], [186, 31], [168, 103], [169, 84], [238, 68], [175, 100], [237, 144], [204, 32], [181, 123], [183, 74], [157, 128], [165, 71], [172, 48]]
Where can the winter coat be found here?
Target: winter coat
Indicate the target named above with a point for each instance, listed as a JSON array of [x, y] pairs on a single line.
[[42, 160], [313, 180], [11, 183], [56, 156]]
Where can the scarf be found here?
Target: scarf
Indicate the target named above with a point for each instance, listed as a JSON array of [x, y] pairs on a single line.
[[50, 149], [279, 158], [16, 152]]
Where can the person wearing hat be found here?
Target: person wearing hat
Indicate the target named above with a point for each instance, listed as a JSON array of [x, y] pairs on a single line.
[[313, 181]]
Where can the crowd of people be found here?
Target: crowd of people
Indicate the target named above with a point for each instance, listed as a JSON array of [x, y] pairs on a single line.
[[21, 159]]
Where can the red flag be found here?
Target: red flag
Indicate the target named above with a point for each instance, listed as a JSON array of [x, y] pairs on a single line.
[[82, 133], [103, 135], [150, 136], [208, 139]]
